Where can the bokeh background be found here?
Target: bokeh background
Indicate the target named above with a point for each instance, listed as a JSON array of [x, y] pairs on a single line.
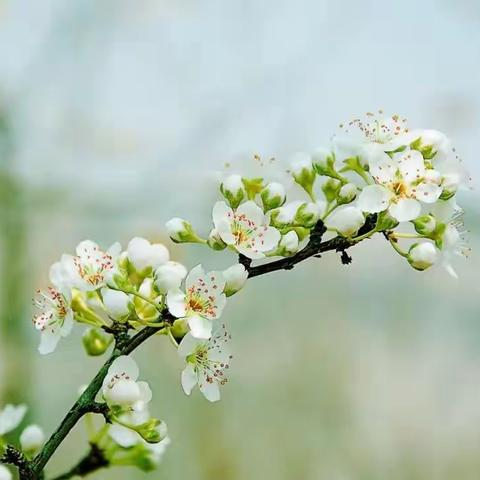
[[114, 113]]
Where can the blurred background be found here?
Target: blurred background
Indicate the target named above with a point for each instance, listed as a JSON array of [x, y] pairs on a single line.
[[114, 113]]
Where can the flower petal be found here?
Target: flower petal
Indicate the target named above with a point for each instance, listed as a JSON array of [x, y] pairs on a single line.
[[252, 211], [210, 389], [195, 274], [266, 239], [189, 378], [123, 365], [222, 213], [49, 340], [405, 209], [176, 303], [200, 327], [411, 165], [124, 436], [428, 192], [374, 199]]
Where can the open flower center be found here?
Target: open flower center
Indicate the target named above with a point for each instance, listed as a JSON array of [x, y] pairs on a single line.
[[92, 265], [55, 308]]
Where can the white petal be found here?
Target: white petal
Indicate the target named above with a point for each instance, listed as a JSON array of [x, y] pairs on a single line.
[[159, 255], [250, 253], [411, 165], [252, 211], [266, 239], [384, 171], [67, 326], [48, 341], [124, 364], [189, 379], [374, 199], [124, 436], [405, 209], [195, 274], [176, 303], [210, 390], [145, 392], [428, 192], [222, 213], [200, 327]]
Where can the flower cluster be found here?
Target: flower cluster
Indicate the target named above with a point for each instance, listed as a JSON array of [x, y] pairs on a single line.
[[375, 167], [376, 176], [31, 438]]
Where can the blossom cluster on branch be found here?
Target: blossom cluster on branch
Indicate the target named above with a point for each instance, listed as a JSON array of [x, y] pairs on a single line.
[[377, 176]]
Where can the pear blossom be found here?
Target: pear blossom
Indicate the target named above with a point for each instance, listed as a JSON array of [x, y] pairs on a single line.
[[11, 417], [56, 317], [207, 362], [120, 386], [143, 254], [402, 182], [246, 229], [169, 276], [32, 438], [5, 473], [346, 220], [452, 241], [202, 301], [91, 268], [370, 137], [235, 278]]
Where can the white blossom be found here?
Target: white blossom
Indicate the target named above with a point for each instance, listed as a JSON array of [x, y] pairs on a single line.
[[370, 137], [207, 362], [91, 268], [120, 386], [55, 320], [11, 417], [402, 182], [32, 438], [202, 301], [246, 229], [143, 254]]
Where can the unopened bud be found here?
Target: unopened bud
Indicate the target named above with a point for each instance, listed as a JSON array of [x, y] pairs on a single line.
[[235, 278], [422, 255], [346, 220], [324, 162], [425, 225], [331, 189], [303, 171], [96, 341], [32, 439], [181, 231], [233, 190], [288, 244], [169, 276], [215, 242], [273, 196], [347, 193]]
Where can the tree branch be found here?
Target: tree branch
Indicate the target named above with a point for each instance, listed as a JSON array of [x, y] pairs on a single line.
[[93, 461], [124, 346]]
